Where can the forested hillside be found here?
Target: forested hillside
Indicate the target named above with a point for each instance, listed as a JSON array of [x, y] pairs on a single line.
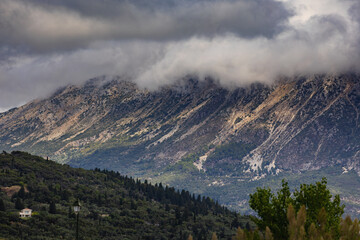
[[113, 206]]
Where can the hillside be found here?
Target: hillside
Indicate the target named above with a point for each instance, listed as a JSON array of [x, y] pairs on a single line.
[[113, 206], [227, 141]]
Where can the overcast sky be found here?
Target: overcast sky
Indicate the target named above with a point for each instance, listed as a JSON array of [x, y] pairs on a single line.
[[46, 44]]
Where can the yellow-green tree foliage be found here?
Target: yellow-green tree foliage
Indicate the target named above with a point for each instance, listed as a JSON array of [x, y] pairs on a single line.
[[214, 237], [252, 235], [240, 235], [268, 234], [349, 229], [296, 225]]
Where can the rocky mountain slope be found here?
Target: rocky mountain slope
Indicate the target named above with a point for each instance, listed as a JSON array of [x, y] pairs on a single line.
[[197, 134]]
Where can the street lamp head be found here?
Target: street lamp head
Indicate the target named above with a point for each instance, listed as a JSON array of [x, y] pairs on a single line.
[[76, 209], [77, 206]]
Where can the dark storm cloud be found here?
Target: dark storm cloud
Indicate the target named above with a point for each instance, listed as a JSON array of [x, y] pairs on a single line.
[[42, 26], [46, 44], [355, 11]]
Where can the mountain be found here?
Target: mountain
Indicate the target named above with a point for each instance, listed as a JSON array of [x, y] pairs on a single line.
[[112, 206], [200, 136]]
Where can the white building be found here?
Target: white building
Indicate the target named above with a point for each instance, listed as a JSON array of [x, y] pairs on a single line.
[[26, 212]]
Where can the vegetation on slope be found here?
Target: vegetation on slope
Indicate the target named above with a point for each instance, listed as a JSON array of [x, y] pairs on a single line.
[[113, 206], [297, 230], [234, 192], [119, 207], [310, 213]]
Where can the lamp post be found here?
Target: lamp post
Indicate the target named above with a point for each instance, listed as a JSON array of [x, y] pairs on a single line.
[[77, 211]]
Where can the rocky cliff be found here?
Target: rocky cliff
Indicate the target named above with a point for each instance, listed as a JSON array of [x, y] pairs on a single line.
[[196, 134]]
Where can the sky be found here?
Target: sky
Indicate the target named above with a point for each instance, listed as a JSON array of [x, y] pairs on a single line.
[[47, 44]]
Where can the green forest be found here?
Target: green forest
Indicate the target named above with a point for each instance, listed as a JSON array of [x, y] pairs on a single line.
[[120, 207], [112, 206]]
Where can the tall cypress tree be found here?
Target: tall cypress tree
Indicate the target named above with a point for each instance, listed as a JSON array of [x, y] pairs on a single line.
[[2, 205], [52, 208], [19, 204], [70, 212], [21, 192]]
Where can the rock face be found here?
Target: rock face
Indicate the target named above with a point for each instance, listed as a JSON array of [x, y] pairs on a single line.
[[296, 125]]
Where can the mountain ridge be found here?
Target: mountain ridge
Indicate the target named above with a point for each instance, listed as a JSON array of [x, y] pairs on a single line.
[[196, 129]]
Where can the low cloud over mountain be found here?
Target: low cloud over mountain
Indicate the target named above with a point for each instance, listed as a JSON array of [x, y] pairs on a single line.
[[47, 44]]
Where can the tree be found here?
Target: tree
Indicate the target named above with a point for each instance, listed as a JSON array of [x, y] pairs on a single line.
[[319, 231], [214, 237], [2, 206], [167, 207], [240, 234], [247, 226], [52, 208], [70, 212], [178, 215], [21, 192], [317, 199], [272, 210], [296, 226], [19, 204], [133, 205], [235, 222], [268, 234], [350, 230]]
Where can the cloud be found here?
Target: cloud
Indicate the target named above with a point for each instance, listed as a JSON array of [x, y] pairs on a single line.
[[155, 43], [43, 27]]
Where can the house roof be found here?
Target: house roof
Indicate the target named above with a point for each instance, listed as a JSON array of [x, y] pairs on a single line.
[[26, 209]]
